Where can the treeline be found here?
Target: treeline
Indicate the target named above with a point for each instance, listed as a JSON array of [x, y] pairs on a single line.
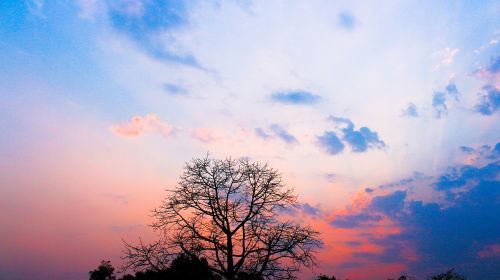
[[185, 267]]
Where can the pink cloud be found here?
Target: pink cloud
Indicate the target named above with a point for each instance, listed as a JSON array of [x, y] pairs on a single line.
[[138, 125], [489, 251], [493, 77], [203, 134], [445, 56]]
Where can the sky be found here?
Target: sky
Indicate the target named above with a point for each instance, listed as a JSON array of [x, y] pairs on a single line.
[[383, 116]]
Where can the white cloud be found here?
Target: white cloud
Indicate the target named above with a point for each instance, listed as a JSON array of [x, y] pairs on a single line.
[[446, 57]]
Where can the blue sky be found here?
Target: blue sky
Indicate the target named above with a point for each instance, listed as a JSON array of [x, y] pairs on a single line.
[[384, 117]]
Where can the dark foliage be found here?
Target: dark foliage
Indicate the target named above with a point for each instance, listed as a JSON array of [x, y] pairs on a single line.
[[105, 271], [449, 275], [324, 277]]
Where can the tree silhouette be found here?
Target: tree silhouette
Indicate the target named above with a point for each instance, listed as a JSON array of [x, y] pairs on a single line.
[[183, 267], [449, 275], [227, 212], [324, 277], [105, 271]]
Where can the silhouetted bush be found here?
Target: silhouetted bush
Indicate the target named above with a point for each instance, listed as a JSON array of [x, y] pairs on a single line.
[[105, 271], [183, 267], [449, 275], [324, 277]]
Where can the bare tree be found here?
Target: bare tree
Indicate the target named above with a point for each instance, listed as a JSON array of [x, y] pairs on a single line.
[[227, 211]]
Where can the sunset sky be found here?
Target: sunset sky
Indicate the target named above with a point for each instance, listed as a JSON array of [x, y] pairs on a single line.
[[384, 116]]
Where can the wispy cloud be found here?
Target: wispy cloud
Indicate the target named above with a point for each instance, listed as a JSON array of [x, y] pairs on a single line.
[[283, 134], [445, 56], [346, 20], [146, 24], [355, 220], [139, 125], [36, 8], [89, 8], [276, 131], [439, 104], [203, 134], [295, 97], [173, 89], [410, 111], [452, 91]]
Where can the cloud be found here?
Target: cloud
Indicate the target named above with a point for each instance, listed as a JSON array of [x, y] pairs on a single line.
[[346, 20], [36, 8], [459, 176], [439, 104], [174, 89], [344, 123], [276, 131], [491, 72], [439, 99], [203, 134], [282, 134], [449, 55], [489, 98], [303, 209], [295, 97], [446, 57], [261, 133], [356, 220], [144, 22], [490, 251], [389, 204], [353, 243], [467, 150], [410, 111], [416, 176], [452, 90], [495, 153], [330, 143], [89, 8], [310, 210], [359, 140], [330, 177], [489, 101], [460, 230], [482, 152], [139, 125]]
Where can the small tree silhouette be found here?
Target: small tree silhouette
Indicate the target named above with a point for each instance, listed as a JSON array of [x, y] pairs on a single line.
[[227, 212], [406, 277], [324, 277], [105, 271], [449, 275], [189, 267]]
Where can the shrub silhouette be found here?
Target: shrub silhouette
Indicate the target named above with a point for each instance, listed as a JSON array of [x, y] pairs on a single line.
[[324, 277], [449, 275], [183, 267], [105, 271]]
